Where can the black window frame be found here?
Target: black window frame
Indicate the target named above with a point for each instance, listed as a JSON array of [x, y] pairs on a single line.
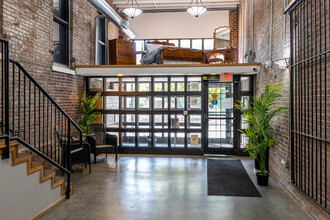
[[100, 41], [138, 52], [64, 21], [167, 129]]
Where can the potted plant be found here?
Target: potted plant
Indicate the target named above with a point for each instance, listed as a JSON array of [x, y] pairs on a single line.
[[87, 109], [258, 113]]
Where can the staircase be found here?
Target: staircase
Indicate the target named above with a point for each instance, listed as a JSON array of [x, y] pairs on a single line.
[[32, 167], [33, 127]]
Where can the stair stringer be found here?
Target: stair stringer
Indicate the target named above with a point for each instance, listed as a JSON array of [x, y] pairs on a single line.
[[18, 160], [19, 193]]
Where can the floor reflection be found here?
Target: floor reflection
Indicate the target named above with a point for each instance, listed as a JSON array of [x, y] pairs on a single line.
[[159, 188]]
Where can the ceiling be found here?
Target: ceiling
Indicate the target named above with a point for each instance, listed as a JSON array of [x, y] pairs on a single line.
[[177, 4]]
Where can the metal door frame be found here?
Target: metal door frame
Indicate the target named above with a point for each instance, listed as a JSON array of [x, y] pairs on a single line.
[[236, 150]]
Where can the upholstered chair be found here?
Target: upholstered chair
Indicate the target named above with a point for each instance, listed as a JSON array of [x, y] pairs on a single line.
[[100, 141]]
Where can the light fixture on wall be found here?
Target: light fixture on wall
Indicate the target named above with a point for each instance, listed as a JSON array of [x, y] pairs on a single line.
[[283, 64], [131, 10], [197, 8]]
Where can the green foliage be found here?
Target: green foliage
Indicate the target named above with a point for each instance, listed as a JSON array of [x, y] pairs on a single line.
[[258, 113], [87, 111]]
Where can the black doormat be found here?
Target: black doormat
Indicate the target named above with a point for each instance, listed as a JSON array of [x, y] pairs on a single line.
[[229, 178]]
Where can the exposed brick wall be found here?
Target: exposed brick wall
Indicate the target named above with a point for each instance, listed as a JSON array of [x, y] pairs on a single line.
[[1, 15], [279, 48], [233, 24], [28, 25], [113, 31]]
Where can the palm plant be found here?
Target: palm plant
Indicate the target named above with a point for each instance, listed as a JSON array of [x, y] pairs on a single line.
[[258, 113], [87, 109]]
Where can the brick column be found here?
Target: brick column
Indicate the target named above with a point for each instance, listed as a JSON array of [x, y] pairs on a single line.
[[233, 24]]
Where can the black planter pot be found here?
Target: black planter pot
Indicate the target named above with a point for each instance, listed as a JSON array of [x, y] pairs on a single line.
[[262, 179]]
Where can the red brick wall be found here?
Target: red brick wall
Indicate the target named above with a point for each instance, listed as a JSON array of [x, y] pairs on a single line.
[[265, 50], [233, 24], [28, 25], [113, 31]]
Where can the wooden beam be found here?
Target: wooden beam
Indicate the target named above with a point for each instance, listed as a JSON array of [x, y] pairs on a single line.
[[168, 69]]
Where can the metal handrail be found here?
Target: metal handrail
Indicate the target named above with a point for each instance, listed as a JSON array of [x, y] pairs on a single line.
[[5, 96], [44, 92], [47, 116]]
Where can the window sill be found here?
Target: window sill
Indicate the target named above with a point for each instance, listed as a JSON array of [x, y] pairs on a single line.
[[62, 69]]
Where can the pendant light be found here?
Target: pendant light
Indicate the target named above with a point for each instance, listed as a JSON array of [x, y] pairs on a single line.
[[196, 9], [131, 10]]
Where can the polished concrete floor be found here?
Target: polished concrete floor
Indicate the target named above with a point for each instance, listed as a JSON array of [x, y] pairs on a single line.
[[169, 188]]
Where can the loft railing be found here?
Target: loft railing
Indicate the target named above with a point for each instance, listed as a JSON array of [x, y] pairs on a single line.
[[34, 119]]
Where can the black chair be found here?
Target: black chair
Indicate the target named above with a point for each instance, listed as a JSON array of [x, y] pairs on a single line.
[[100, 141], [79, 154]]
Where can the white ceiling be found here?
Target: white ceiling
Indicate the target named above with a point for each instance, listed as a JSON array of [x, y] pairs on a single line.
[[177, 4]]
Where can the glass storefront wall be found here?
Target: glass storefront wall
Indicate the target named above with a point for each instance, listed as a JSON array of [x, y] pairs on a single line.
[[159, 114], [147, 112]]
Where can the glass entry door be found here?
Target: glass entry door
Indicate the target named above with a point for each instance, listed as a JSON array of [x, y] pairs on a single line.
[[221, 126]]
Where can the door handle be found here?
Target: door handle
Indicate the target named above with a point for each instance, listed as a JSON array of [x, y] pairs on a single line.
[[219, 118]]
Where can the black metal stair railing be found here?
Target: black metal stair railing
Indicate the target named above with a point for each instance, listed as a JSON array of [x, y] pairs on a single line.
[[5, 98], [30, 116]]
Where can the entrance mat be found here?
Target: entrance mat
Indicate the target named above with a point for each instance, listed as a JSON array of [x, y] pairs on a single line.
[[229, 178]]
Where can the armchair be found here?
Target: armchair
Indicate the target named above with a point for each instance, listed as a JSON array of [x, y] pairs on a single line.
[[100, 141], [80, 154]]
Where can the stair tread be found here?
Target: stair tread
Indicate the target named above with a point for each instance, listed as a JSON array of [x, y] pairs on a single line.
[[48, 171], [23, 154], [12, 143], [58, 178], [36, 163]]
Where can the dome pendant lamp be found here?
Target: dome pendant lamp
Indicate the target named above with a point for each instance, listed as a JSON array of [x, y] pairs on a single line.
[[196, 9], [131, 10]]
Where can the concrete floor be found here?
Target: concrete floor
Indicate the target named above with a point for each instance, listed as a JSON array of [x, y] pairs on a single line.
[[156, 188]]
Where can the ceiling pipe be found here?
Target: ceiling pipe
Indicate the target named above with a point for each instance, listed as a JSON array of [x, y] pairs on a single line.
[[271, 32], [252, 47], [286, 162], [269, 62], [241, 34], [284, 29], [113, 16]]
